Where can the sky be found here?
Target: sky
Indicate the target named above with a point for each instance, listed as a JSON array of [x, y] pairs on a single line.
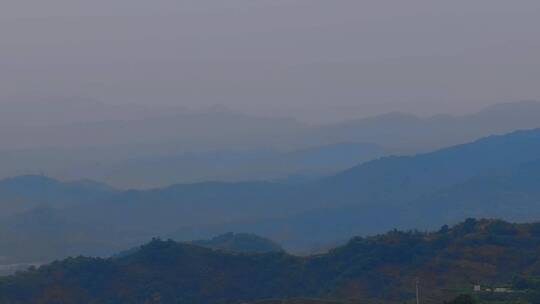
[[316, 60]]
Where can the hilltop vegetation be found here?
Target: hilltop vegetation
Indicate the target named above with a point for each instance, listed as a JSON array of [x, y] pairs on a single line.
[[231, 243], [240, 242], [378, 268]]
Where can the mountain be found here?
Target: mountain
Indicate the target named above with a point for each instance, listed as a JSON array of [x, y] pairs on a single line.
[[234, 165], [511, 194], [381, 268], [155, 148], [24, 193], [322, 160], [113, 150], [44, 234], [399, 178], [240, 242], [390, 192], [405, 192], [412, 134]]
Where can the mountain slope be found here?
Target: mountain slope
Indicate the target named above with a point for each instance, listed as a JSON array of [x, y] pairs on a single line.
[[380, 268], [408, 191], [401, 178], [23, 193], [163, 147], [512, 194], [370, 198], [44, 234], [233, 165], [412, 134]]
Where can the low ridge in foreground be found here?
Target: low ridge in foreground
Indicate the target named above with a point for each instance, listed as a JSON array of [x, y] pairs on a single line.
[[489, 253]]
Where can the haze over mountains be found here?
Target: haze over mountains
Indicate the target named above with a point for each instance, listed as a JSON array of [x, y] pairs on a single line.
[[411, 192], [302, 56], [142, 149], [266, 200], [421, 191], [269, 151]]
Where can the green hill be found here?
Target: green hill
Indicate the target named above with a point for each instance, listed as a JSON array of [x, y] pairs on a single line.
[[380, 268]]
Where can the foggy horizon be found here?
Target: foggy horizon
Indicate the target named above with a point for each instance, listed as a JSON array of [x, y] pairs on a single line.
[[346, 59]]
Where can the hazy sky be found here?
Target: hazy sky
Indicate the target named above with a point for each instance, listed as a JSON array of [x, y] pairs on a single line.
[[289, 57]]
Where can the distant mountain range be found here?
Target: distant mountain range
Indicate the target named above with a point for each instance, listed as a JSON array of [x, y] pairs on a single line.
[[492, 177], [237, 165], [22, 193], [184, 147], [411, 134], [420, 191], [381, 268]]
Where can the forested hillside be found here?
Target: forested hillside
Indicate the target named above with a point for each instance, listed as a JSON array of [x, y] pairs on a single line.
[[379, 268]]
